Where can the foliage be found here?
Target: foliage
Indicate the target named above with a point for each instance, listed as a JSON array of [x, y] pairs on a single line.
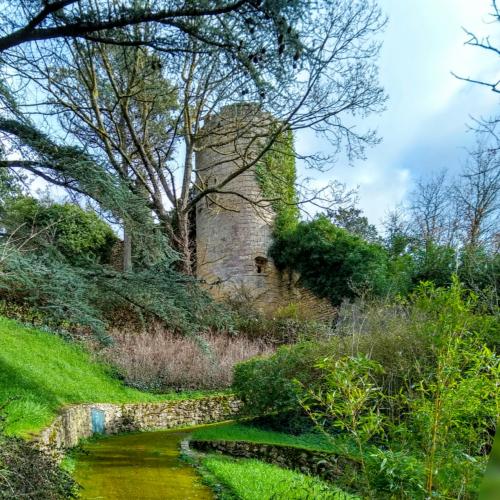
[[27, 472], [352, 400], [9, 187], [332, 262], [66, 299], [78, 234], [40, 372], [287, 326], [266, 385], [276, 174], [352, 220], [433, 262], [92, 296], [479, 270], [255, 480], [414, 384]]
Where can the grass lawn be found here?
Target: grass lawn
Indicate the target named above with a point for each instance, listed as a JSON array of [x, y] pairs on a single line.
[[241, 432], [255, 480], [40, 372]]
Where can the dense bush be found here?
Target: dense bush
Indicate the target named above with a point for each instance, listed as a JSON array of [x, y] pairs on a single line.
[[26, 472], [413, 386], [78, 234], [266, 385], [331, 262]]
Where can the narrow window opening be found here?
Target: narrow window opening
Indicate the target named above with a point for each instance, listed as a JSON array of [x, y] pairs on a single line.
[[260, 264]]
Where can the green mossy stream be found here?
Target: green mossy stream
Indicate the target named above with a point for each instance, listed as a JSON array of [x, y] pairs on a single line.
[[142, 466]]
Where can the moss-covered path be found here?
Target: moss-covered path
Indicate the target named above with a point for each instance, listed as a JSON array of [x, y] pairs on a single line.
[[138, 466]]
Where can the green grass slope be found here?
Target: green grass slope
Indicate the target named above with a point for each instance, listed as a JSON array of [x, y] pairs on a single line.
[[40, 372], [254, 480]]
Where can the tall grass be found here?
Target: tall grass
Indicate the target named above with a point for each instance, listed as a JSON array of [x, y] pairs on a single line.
[[160, 360]]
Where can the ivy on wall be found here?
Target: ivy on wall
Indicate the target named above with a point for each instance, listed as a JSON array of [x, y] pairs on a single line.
[[332, 263], [276, 174]]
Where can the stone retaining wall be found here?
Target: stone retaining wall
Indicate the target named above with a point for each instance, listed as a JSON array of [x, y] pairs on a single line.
[[75, 422], [323, 464]]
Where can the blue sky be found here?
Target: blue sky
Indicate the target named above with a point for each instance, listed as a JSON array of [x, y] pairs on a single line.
[[424, 128]]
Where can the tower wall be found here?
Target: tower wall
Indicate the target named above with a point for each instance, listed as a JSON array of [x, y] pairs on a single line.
[[234, 233]]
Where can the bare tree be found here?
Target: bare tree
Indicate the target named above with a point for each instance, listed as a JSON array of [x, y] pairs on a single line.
[[484, 43], [432, 213], [476, 196]]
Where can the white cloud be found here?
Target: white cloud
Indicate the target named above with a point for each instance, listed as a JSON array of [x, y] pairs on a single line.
[[424, 128]]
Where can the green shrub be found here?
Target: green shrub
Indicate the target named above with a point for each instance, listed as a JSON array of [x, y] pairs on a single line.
[[77, 233], [331, 262], [266, 385], [434, 263]]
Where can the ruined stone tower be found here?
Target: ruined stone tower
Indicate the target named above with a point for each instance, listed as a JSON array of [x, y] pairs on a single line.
[[234, 228]]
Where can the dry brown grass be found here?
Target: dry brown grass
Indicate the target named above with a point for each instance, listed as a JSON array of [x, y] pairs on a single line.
[[160, 360]]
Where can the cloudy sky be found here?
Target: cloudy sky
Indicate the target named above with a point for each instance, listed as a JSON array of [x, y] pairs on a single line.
[[424, 128]]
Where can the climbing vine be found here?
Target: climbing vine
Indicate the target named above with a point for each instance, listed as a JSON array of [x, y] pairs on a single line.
[[276, 174]]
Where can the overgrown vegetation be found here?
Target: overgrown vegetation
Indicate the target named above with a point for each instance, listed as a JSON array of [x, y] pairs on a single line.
[[72, 246], [162, 361], [409, 389], [331, 262], [27, 472], [277, 177]]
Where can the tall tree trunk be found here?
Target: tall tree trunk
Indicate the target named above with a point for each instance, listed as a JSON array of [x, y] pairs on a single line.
[[184, 243]]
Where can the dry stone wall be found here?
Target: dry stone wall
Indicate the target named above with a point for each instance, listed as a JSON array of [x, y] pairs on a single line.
[[323, 464], [75, 422]]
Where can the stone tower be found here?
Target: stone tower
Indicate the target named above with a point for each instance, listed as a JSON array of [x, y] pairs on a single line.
[[234, 230]]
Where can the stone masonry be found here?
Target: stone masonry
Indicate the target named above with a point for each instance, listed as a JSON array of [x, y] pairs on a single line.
[[234, 228], [324, 464], [75, 422]]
